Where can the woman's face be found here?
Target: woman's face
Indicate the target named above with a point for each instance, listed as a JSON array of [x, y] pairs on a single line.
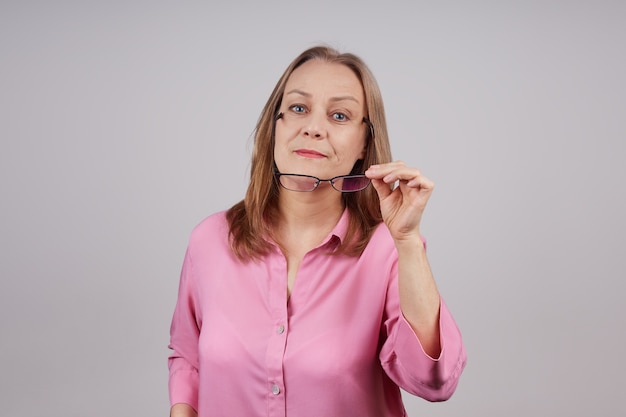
[[321, 132]]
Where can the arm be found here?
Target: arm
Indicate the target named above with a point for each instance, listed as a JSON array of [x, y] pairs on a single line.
[[405, 360], [419, 297], [424, 353], [184, 334], [402, 209]]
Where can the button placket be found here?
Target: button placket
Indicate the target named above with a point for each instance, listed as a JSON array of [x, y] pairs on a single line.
[[277, 338]]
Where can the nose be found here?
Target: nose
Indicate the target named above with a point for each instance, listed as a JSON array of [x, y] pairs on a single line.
[[315, 126], [312, 133]]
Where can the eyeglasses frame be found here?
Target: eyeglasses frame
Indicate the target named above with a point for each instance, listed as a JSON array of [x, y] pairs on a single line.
[[318, 181]]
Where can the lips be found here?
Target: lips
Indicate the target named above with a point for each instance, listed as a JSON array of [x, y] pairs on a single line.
[[309, 153]]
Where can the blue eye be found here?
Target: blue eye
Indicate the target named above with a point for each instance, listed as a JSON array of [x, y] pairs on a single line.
[[340, 117], [297, 108]]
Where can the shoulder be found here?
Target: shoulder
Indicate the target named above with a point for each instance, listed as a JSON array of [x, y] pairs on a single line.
[[381, 238], [212, 229], [380, 249]]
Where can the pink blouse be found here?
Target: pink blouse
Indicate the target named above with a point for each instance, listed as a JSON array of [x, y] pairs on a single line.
[[338, 346]]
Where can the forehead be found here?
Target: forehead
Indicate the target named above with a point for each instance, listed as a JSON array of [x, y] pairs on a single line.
[[320, 78]]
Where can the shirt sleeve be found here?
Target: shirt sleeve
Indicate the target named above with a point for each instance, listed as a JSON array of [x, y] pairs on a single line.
[[404, 360], [184, 334]]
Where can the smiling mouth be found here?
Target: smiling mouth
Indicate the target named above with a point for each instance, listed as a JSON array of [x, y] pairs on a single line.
[[308, 153]]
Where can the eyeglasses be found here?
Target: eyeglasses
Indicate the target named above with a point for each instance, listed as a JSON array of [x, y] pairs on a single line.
[[308, 183]]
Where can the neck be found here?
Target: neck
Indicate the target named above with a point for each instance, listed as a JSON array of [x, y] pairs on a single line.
[[318, 211]]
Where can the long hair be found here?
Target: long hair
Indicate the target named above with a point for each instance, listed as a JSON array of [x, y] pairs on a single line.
[[252, 221]]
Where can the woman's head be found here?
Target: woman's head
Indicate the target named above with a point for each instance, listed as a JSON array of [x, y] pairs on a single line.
[[260, 203], [320, 131], [376, 141]]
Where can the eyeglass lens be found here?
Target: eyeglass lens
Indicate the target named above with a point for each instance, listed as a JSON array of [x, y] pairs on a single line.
[[298, 183], [352, 183]]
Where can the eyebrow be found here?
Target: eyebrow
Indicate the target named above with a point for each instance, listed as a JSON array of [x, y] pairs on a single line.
[[333, 99]]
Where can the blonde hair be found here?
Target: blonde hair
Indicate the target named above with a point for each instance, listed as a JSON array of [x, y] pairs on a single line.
[[252, 220]]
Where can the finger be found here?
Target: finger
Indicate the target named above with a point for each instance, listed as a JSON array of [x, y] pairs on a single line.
[[415, 196], [412, 176], [397, 172], [382, 189], [381, 170], [421, 182]]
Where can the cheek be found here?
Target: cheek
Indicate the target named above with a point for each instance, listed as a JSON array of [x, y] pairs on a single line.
[[282, 136], [363, 148], [280, 140], [354, 148], [280, 147]]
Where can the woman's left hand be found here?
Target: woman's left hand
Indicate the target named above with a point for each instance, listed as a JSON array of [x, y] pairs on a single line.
[[402, 207]]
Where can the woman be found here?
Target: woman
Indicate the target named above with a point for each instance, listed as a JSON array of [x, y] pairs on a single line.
[[313, 296]]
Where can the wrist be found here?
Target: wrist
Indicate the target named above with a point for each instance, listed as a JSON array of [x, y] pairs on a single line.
[[410, 242]]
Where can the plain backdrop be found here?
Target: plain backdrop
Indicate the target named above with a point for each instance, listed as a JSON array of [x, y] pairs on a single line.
[[124, 123]]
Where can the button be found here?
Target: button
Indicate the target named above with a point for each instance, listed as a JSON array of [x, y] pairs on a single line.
[[281, 329], [275, 389]]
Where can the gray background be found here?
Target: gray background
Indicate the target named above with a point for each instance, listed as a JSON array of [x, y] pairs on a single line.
[[123, 124]]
